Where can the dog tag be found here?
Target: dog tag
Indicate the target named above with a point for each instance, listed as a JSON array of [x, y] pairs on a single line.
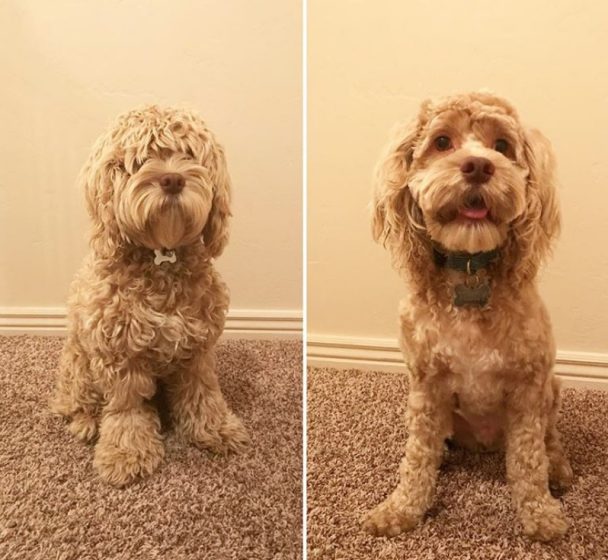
[[476, 295], [162, 256]]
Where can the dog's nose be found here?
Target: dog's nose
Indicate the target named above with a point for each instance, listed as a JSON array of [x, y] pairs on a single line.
[[477, 169], [172, 183]]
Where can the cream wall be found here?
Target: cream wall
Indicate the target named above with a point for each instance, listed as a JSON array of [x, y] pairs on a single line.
[[371, 63], [69, 67]]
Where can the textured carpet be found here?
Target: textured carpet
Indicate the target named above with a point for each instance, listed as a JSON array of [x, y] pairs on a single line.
[[52, 506], [356, 437]]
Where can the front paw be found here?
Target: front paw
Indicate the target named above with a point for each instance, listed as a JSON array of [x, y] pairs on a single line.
[[128, 450], [234, 435], [83, 426], [543, 520], [229, 436], [390, 518]]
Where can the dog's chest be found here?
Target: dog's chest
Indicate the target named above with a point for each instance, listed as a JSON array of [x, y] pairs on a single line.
[[474, 367], [466, 352], [176, 333], [161, 328], [472, 361]]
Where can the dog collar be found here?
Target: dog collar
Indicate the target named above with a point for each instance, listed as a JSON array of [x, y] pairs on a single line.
[[464, 262], [475, 291]]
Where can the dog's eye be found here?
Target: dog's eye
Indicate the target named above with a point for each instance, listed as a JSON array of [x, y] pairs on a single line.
[[501, 145], [443, 143]]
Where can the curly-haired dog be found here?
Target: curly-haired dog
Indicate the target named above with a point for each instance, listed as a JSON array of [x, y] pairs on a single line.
[[147, 306], [465, 202]]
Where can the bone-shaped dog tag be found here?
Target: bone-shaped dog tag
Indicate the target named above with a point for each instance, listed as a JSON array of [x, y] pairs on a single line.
[[162, 256]]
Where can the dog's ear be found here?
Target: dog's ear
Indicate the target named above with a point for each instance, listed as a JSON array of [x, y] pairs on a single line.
[[97, 179], [540, 223], [390, 182], [397, 220], [215, 232], [541, 186]]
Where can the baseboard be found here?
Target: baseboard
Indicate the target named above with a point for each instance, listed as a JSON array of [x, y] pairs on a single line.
[[240, 323], [576, 369]]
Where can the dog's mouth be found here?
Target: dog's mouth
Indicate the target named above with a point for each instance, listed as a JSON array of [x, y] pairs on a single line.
[[474, 207]]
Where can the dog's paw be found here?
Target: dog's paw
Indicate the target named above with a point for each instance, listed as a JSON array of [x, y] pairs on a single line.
[[231, 436], [120, 465], [83, 426], [129, 446], [388, 519], [543, 520], [560, 474], [234, 435]]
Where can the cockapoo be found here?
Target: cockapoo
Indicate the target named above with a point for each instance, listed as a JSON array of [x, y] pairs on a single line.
[[147, 306], [465, 201]]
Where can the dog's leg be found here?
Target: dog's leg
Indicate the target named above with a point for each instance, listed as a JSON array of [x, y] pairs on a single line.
[[198, 408], [528, 467], [560, 471], [429, 419], [130, 444], [75, 396]]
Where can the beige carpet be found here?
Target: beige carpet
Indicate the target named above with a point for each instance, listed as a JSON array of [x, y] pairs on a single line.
[[196, 506], [356, 436]]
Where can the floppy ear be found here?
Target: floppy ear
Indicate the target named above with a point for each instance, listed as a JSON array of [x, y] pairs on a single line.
[[97, 179], [540, 223], [397, 220], [215, 232], [541, 184]]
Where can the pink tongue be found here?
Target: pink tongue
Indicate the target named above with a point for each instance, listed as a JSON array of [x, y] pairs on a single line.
[[474, 213]]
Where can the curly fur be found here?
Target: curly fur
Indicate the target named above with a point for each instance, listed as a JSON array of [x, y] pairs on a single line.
[[480, 375], [136, 327]]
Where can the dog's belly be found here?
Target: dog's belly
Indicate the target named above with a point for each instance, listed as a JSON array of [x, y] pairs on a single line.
[[471, 430], [478, 406], [475, 373]]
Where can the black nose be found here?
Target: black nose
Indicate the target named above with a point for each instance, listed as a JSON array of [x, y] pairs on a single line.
[[477, 169], [172, 183]]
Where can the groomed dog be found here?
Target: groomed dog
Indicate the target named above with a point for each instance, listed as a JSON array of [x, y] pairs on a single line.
[[465, 201], [147, 306]]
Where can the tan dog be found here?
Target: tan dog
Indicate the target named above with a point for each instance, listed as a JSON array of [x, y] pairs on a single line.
[[465, 202], [147, 307]]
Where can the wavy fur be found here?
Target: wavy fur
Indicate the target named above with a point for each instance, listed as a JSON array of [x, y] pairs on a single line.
[[136, 327]]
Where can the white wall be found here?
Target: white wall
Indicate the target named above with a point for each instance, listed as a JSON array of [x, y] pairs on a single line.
[[68, 68], [372, 63]]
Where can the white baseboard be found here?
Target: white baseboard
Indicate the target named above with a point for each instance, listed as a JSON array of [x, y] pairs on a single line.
[[240, 323], [576, 369]]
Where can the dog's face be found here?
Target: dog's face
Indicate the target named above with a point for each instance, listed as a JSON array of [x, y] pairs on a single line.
[[467, 175], [159, 178]]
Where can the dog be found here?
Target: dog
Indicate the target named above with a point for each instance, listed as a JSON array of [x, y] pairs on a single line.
[[147, 307], [465, 201]]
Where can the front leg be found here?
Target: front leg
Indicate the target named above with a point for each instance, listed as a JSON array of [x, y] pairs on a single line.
[[198, 408], [528, 466], [429, 418], [560, 471], [130, 444]]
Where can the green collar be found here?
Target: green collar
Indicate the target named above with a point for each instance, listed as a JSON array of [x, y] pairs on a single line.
[[464, 262]]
